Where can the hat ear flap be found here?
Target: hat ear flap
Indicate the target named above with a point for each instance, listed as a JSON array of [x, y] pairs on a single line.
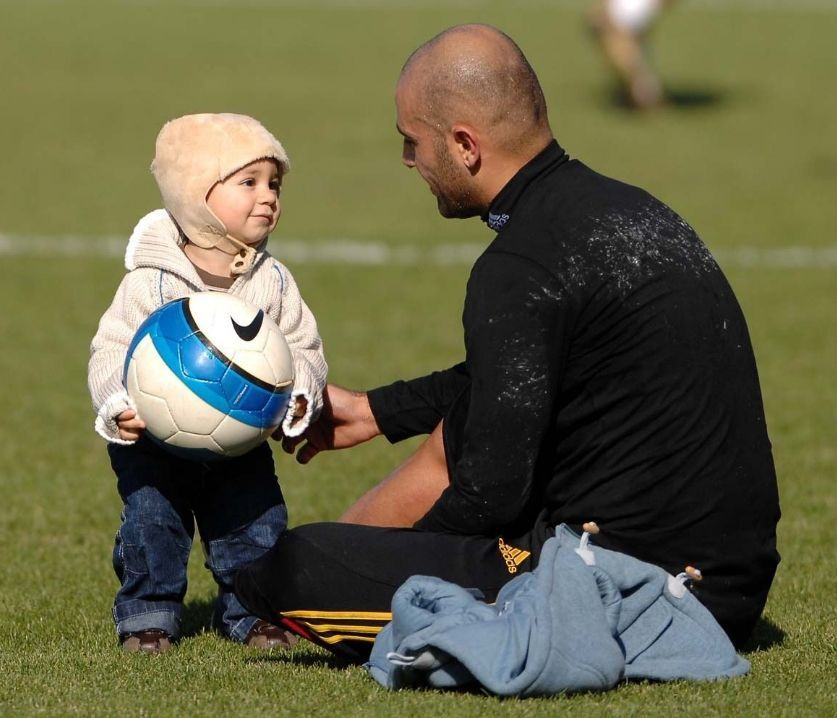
[[243, 261]]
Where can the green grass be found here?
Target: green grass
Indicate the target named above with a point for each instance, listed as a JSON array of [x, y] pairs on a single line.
[[86, 86]]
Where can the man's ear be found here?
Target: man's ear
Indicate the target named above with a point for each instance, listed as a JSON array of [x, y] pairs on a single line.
[[467, 145]]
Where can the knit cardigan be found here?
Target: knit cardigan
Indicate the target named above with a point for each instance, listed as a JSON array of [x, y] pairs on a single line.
[[158, 272]]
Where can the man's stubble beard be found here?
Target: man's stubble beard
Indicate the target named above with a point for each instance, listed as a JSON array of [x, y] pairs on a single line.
[[453, 199]]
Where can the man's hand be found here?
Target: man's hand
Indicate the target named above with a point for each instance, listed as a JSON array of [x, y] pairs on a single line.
[[346, 420], [130, 425]]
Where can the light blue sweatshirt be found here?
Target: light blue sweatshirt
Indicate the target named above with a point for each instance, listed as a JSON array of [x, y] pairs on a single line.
[[584, 619]]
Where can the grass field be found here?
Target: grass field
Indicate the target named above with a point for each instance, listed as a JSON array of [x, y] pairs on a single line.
[[746, 156]]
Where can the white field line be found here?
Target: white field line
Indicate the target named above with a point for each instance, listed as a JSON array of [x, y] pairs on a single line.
[[755, 6], [765, 5], [371, 253], [751, 5]]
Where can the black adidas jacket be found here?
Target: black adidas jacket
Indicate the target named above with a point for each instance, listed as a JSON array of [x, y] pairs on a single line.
[[608, 376]]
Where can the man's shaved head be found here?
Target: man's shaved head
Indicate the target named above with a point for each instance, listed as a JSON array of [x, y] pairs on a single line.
[[472, 113], [477, 74]]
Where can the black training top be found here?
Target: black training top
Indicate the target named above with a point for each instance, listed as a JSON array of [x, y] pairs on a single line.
[[608, 377]]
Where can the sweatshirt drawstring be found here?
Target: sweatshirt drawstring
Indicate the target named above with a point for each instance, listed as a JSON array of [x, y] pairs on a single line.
[[677, 585]]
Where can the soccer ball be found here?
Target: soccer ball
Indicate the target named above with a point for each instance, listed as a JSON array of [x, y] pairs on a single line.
[[211, 376]]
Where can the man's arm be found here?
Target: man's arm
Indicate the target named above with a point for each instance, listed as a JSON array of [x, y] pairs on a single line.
[[345, 421], [408, 492], [398, 411], [516, 319], [408, 408]]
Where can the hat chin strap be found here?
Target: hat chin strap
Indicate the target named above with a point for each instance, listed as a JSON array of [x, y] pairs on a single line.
[[243, 254]]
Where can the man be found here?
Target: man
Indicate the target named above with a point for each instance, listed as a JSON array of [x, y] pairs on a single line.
[[608, 377]]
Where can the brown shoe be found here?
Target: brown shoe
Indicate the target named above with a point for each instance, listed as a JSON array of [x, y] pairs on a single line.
[[151, 640], [266, 635]]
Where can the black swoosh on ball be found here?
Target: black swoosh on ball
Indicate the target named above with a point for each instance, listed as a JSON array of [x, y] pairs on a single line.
[[249, 332]]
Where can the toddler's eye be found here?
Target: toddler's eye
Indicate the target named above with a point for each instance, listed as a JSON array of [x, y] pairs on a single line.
[[249, 182]]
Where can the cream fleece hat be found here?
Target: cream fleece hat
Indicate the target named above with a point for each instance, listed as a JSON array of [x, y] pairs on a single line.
[[194, 153]]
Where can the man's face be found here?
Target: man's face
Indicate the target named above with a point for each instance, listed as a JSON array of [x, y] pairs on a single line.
[[427, 149]]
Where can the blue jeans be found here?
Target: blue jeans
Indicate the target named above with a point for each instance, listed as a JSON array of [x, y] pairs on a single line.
[[239, 510]]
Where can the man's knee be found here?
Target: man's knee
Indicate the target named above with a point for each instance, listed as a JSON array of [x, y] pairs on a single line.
[[265, 585], [325, 567], [327, 582]]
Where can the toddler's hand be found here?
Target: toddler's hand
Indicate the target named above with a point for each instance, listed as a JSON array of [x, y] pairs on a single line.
[[130, 425], [300, 407]]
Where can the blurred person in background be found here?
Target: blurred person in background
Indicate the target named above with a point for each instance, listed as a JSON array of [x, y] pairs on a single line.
[[621, 29]]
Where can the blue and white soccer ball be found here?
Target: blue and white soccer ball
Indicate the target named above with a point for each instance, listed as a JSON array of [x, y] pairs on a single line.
[[211, 375]]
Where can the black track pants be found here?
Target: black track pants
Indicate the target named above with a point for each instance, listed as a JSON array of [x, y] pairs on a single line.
[[333, 583]]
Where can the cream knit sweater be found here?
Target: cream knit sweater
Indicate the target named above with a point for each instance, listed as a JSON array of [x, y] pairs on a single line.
[[158, 272]]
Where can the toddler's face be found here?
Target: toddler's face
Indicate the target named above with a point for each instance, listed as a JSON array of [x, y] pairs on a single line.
[[247, 202]]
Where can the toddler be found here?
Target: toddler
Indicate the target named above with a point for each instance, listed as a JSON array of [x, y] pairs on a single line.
[[220, 177]]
